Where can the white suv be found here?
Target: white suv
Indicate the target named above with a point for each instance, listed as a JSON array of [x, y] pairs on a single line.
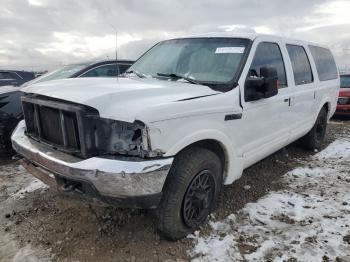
[[188, 117]]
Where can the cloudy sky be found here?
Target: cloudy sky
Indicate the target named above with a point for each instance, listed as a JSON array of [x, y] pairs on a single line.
[[45, 34]]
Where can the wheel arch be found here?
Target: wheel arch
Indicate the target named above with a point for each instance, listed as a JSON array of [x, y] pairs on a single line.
[[327, 107], [221, 145]]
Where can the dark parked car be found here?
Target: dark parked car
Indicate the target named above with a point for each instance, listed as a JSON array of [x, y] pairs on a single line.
[[14, 78], [99, 69], [10, 102], [343, 107]]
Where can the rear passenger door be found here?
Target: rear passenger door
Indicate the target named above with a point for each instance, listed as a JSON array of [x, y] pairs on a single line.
[[303, 89]]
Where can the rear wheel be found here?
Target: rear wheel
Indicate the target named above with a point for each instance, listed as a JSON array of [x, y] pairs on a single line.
[[190, 192], [314, 139]]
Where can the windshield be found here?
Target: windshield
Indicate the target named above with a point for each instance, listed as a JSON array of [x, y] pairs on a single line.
[[204, 60], [345, 81], [61, 73]]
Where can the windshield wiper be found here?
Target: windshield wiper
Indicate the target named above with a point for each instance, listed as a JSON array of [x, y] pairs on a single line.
[[137, 73], [172, 75]]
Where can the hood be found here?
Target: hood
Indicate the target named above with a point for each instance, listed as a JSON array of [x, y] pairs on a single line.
[[122, 98]]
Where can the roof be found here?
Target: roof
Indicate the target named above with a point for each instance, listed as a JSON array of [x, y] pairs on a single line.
[[251, 36], [101, 62], [15, 71], [112, 61]]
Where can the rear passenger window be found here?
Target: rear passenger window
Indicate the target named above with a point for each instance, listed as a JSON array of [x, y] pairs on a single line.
[[269, 55], [325, 64], [301, 65]]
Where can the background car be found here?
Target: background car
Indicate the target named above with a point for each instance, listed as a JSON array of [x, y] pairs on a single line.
[[93, 69], [343, 107], [10, 102], [14, 78]]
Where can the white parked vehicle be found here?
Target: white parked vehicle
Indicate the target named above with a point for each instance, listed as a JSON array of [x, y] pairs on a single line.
[[188, 117]]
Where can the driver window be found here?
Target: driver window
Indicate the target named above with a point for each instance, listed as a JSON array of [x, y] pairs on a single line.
[[269, 55]]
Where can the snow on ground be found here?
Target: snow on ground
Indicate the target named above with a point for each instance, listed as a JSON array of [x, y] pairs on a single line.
[[22, 182], [308, 221], [33, 186], [15, 184], [11, 251]]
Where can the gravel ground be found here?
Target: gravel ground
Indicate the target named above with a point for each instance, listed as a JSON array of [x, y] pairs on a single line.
[[37, 222]]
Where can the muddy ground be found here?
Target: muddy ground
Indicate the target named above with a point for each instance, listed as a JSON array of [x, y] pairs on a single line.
[[46, 225]]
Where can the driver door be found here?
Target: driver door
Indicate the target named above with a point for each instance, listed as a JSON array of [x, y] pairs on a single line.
[[265, 122]]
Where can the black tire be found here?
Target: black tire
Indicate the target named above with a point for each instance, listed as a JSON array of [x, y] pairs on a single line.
[[5, 142], [315, 138], [183, 194]]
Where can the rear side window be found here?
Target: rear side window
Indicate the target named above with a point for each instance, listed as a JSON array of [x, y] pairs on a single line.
[[325, 64], [269, 55], [300, 64]]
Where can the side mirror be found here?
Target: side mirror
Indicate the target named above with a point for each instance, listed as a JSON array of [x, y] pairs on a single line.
[[262, 87]]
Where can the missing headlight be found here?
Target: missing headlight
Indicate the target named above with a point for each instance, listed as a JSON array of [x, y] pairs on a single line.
[[123, 138]]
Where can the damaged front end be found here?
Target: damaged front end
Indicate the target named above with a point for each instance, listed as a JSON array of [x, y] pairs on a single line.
[[79, 130], [69, 145]]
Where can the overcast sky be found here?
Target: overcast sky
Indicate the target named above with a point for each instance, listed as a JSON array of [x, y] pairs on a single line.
[[45, 34]]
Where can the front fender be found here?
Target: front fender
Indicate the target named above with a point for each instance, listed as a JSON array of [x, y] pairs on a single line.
[[173, 136]]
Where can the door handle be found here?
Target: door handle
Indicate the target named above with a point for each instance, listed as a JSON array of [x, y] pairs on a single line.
[[287, 100]]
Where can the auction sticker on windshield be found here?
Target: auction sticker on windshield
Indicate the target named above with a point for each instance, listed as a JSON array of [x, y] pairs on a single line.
[[230, 50]]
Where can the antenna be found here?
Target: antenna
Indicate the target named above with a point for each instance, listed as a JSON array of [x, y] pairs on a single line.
[[104, 10]]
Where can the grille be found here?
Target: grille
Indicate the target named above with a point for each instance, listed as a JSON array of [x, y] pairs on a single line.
[[53, 125]]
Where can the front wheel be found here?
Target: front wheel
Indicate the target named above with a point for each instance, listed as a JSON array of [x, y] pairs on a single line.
[[190, 192], [314, 139]]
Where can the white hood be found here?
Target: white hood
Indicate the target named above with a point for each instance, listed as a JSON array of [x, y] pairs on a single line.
[[123, 98]]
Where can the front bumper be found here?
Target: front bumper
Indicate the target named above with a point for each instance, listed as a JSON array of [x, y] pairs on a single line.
[[110, 180]]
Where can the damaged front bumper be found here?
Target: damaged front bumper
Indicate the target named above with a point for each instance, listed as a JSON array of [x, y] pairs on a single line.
[[136, 183]]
